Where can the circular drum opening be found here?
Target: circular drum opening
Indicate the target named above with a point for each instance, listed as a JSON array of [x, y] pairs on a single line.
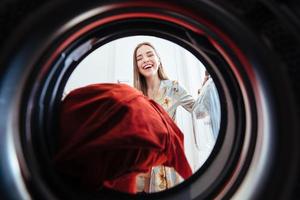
[[56, 83], [113, 63], [240, 157]]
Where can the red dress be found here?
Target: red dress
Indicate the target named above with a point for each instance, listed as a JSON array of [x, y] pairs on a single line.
[[109, 133]]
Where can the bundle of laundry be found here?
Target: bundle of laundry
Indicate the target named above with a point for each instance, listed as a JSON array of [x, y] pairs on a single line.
[[109, 133]]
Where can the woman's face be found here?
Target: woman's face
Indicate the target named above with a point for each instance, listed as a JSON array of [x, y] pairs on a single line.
[[147, 61]]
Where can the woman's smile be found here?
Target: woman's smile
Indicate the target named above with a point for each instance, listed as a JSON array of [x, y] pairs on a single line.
[[147, 66]]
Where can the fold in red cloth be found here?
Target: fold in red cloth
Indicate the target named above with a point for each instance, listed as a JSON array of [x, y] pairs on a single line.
[[111, 132]]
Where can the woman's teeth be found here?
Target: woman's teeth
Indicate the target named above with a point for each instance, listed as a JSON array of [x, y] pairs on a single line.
[[147, 66]]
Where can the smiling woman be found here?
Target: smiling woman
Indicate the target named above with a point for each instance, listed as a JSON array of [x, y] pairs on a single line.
[[150, 78]]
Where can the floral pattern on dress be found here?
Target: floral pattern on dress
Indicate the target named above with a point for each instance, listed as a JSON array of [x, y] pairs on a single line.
[[167, 102]]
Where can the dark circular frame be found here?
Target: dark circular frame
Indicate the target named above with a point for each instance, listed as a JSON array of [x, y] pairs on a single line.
[[239, 65]]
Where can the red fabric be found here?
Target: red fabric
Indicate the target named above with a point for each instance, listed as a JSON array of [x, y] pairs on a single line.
[[111, 132]]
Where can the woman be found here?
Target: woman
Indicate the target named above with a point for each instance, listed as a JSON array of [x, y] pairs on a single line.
[[150, 78]]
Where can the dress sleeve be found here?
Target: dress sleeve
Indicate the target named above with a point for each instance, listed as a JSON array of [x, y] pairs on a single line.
[[200, 106], [182, 97]]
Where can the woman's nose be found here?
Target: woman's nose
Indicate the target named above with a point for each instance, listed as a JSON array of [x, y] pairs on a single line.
[[145, 59]]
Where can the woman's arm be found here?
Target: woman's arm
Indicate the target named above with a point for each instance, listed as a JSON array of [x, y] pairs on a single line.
[[201, 105], [183, 98]]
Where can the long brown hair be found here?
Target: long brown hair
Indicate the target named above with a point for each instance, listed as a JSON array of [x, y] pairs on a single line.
[[139, 81]]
